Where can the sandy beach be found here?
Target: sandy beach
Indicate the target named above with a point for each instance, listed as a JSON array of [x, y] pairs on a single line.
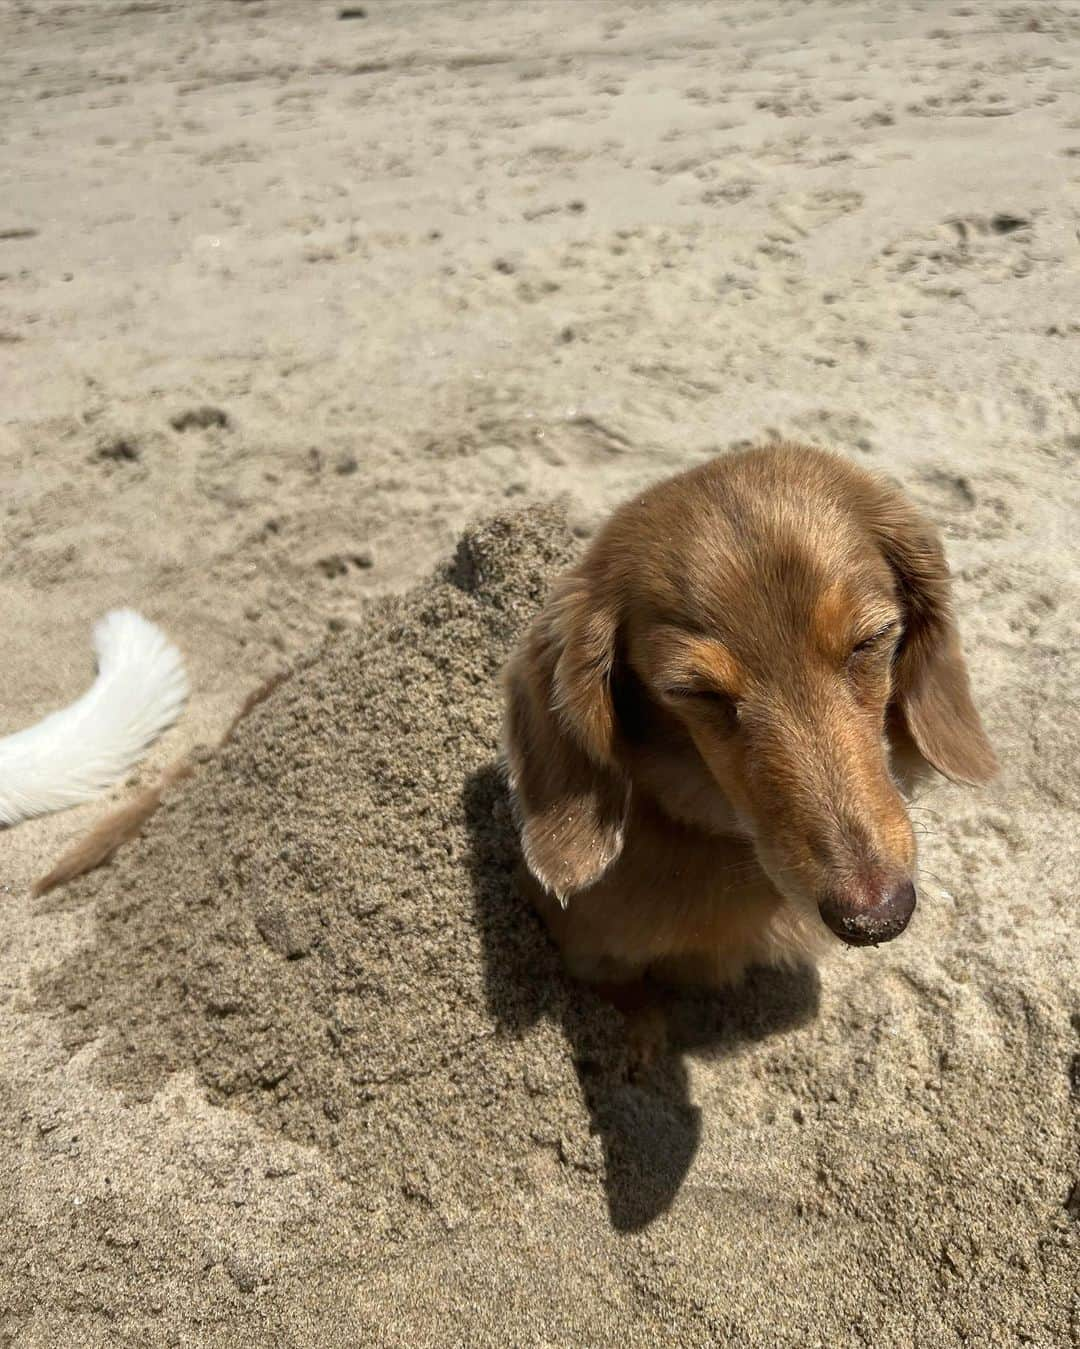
[[303, 320]]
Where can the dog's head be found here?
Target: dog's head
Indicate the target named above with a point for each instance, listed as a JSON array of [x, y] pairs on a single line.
[[754, 645]]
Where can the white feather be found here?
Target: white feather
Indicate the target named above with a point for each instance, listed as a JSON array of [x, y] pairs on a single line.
[[74, 754]]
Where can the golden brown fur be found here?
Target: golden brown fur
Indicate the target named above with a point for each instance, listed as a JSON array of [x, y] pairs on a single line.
[[709, 726]]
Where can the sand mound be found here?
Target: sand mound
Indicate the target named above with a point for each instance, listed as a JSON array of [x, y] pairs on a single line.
[[329, 950], [323, 928]]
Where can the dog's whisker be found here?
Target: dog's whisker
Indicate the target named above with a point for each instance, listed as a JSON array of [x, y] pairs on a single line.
[[939, 881]]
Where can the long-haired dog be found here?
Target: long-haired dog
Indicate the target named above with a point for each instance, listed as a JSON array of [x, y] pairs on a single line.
[[711, 726]]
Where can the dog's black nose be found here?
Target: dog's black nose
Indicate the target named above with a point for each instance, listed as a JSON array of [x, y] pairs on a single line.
[[863, 923]]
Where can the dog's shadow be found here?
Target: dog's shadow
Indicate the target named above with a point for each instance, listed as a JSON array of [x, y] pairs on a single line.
[[650, 1129]]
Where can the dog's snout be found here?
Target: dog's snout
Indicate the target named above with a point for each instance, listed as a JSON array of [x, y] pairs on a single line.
[[869, 917]]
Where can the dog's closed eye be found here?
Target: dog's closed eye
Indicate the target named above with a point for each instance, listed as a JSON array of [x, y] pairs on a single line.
[[718, 706], [882, 639]]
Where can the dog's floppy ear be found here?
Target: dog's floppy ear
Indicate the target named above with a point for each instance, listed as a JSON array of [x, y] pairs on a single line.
[[559, 741], [930, 677]]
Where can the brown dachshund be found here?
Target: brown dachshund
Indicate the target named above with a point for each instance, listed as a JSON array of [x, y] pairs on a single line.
[[712, 725]]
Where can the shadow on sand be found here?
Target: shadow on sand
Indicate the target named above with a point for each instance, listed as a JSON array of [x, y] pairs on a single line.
[[650, 1129]]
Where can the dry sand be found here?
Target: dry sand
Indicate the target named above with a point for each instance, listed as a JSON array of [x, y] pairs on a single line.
[[296, 1069]]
